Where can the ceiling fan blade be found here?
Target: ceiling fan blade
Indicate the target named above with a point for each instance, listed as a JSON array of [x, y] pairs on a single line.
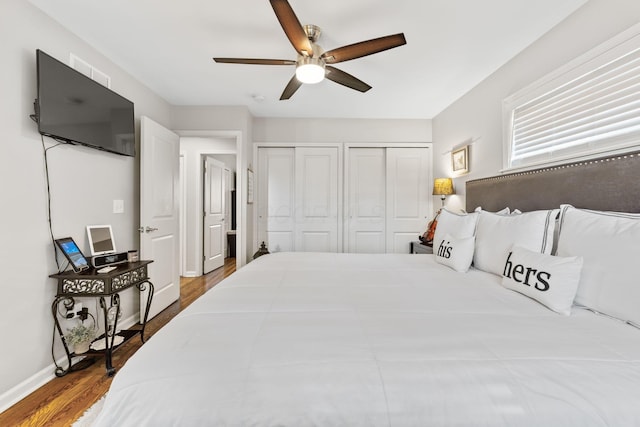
[[345, 79], [292, 27], [293, 85], [358, 50], [254, 61]]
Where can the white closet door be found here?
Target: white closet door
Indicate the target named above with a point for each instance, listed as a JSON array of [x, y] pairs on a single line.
[[316, 193], [366, 200], [407, 196], [276, 198]]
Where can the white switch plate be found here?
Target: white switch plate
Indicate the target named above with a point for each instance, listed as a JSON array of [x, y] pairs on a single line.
[[118, 206]]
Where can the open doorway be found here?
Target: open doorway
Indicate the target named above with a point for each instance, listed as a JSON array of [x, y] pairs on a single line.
[[195, 147]]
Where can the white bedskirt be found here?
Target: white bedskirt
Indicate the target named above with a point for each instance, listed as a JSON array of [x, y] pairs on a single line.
[[297, 339]]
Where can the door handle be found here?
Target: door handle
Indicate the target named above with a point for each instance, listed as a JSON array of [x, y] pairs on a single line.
[[146, 229]]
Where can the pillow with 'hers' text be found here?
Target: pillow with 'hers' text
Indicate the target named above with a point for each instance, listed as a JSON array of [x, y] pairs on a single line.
[[550, 280]]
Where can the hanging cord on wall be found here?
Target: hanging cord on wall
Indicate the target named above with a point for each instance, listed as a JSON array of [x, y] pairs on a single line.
[[46, 173]]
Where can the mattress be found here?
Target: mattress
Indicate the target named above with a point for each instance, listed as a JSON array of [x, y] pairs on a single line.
[[316, 339]]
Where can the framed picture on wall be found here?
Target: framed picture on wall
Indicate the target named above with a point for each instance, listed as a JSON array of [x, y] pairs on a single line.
[[460, 160]]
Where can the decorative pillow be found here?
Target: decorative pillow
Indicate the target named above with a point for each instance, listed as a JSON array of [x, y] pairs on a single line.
[[497, 234], [456, 253], [550, 280], [457, 225], [609, 242], [504, 211]]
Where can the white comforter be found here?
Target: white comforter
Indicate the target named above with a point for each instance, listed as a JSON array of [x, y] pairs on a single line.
[[299, 339]]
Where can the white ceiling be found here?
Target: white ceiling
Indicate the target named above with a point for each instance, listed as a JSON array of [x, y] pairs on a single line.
[[452, 45]]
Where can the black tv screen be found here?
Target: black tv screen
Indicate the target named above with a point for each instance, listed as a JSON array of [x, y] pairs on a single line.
[[76, 109]]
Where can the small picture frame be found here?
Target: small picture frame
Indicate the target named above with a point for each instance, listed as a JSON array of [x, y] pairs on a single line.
[[249, 186], [460, 160]]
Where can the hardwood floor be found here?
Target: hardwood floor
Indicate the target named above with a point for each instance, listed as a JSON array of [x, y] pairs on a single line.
[[63, 400]]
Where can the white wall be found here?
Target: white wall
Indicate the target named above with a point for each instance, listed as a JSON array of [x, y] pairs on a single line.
[[26, 258], [478, 114], [84, 183], [219, 121], [193, 148], [341, 130]]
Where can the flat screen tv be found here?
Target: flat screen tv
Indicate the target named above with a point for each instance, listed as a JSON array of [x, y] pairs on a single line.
[[73, 108]]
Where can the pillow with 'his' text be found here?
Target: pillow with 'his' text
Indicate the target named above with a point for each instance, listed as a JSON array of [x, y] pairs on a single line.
[[550, 280], [456, 253], [458, 225]]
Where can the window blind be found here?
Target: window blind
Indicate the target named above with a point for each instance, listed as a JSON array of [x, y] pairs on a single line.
[[592, 108]]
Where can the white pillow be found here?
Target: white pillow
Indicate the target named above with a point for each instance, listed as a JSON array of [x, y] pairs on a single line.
[[550, 280], [609, 242], [457, 225], [504, 211], [456, 253], [497, 234]]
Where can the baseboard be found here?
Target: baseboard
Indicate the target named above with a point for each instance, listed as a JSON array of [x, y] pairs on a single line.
[[28, 386], [31, 384], [190, 274]]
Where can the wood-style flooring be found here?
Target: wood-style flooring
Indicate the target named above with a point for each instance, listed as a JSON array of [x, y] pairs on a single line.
[[63, 400]]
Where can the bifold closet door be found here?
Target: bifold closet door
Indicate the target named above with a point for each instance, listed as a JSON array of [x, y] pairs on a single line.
[[366, 219], [316, 225], [298, 198], [408, 193], [387, 198], [276, 198]]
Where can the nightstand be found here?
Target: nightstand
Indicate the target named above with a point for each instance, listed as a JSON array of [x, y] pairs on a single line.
[[418, 248]]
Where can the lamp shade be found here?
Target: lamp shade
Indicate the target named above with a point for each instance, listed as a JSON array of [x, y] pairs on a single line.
[[443, 187]]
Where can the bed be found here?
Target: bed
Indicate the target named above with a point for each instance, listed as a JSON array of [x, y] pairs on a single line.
[[318, 339]]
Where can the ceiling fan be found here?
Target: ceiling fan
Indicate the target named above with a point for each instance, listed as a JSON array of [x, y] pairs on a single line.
[[312, 65]]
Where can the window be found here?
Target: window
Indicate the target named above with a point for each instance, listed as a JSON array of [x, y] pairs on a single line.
[[590, 106]]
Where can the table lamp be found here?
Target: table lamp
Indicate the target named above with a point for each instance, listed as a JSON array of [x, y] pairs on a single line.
[[443, 187]]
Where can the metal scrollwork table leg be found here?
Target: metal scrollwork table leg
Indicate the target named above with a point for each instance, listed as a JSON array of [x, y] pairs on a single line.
[[84, 363]]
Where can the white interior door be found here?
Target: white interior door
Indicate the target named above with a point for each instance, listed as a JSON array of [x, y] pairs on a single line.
[[276, 198], [408, 196], [214, 233], [228, 178], [159, 207], [366, 200], [316, 194]]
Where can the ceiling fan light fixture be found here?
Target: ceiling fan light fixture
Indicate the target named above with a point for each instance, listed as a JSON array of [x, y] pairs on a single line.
[[312, 60], [310, 70]]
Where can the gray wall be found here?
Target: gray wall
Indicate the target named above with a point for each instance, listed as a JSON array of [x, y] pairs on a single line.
[[478, 114], [84, 183]]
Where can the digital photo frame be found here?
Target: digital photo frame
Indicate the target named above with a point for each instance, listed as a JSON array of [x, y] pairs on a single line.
[[73, 254], [101, 239]]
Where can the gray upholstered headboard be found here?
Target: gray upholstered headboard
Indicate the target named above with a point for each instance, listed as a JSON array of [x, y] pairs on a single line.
[[608, 183]]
